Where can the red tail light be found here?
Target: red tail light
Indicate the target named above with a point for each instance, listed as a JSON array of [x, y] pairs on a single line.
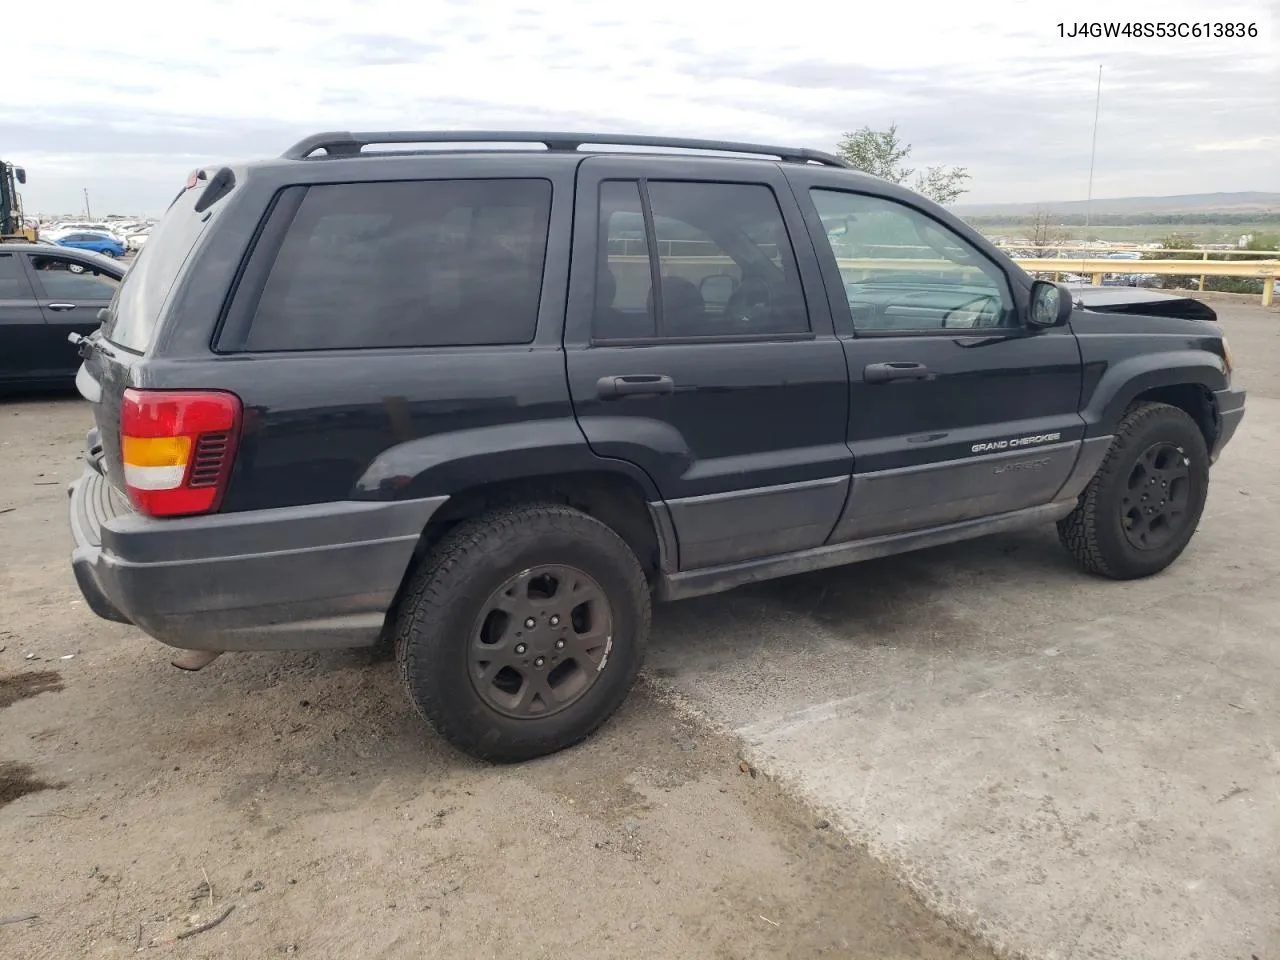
[[177, 447]]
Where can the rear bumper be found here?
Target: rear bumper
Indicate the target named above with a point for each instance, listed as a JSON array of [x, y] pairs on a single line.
[[294, 578], [1230, 413]]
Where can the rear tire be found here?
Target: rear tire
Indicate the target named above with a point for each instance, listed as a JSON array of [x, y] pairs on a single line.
[[1142, 507], [466, 615]]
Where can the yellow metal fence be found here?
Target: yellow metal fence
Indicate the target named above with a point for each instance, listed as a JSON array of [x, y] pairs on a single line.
[[1265, 270]]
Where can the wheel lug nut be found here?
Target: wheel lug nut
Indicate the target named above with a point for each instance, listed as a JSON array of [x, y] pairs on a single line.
[[520, 648], [530, 623], [559, 644], [555, 620], [539, 661]]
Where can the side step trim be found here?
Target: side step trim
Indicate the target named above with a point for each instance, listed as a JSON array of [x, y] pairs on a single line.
[[695, 583]]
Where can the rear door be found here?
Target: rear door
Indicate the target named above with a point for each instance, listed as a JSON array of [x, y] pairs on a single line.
[[22, 346], [957, 410], [71, 290], [700, 348]]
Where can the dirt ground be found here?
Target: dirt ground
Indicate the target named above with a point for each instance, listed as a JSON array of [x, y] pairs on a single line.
[[138, 803]]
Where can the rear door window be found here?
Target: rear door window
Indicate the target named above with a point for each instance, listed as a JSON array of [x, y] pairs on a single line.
[[724, 262], [407, 264], [62, 278]]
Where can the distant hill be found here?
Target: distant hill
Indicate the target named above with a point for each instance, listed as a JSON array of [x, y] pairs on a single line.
[[1201, 203]]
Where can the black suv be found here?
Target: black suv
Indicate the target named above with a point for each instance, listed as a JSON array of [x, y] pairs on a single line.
[[487, 394]]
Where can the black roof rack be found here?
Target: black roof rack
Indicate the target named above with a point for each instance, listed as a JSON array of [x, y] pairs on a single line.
[[346, 144]]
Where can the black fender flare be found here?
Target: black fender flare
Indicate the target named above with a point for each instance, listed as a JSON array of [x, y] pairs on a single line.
[[1125, 381], [446, 463]]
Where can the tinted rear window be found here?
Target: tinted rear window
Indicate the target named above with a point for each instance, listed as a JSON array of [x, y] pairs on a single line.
[[407, 264], [150, 278]]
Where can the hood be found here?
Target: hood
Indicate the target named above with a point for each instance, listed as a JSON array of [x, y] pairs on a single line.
[[1140, 301]]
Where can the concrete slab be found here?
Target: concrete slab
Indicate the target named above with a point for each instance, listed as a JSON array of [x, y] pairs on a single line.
[[1073, 767]]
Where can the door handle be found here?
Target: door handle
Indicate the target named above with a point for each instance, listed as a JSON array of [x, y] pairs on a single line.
[[639, 384], [61, 306], [884, 372]]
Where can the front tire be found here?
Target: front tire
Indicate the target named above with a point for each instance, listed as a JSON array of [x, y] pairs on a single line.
[[523, 631], [1142, 507]]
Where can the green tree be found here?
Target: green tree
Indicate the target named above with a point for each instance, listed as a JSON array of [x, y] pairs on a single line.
[[1044, 231], [881, 154]]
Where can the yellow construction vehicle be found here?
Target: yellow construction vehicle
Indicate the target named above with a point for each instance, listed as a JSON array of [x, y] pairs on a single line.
[[12, 224]]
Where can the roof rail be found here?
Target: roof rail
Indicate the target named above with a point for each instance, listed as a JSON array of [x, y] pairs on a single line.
[[346, 144]]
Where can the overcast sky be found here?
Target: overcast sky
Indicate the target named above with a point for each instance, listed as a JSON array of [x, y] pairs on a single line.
[[125, 98]]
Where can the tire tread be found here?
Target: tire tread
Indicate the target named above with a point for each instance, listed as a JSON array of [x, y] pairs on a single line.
[[1079, 530], [440, 576]]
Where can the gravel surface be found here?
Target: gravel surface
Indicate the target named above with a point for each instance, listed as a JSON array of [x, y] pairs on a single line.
[[139, 803]]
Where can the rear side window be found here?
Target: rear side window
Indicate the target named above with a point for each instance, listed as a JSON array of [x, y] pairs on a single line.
[[71, 280], [407, 264], [150, 278], [13, 282]]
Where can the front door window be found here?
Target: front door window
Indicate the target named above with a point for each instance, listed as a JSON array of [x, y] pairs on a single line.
[[905, 272]]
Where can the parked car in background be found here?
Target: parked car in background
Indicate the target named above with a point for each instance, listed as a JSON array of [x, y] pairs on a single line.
[[1122, 279], [63, 228], [46, 294], [101, 243]]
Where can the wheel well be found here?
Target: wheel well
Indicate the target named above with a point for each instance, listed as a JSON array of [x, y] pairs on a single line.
[[1191, 398], [615, 500]]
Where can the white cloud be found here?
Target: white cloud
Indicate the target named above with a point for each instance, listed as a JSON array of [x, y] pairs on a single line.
[[1249, 143], [127, 99]]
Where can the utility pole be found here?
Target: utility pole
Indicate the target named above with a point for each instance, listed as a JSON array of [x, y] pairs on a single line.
[[1093, 150], [88, 214]]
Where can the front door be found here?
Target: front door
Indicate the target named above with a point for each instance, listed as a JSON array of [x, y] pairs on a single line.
[[700, 348], [71, 291], [957, 410]]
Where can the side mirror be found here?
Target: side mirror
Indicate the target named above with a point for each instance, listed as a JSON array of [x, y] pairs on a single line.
[[1050, 304], [20, 175]]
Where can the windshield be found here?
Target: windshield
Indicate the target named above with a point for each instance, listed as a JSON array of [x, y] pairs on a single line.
[[135, 311]]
